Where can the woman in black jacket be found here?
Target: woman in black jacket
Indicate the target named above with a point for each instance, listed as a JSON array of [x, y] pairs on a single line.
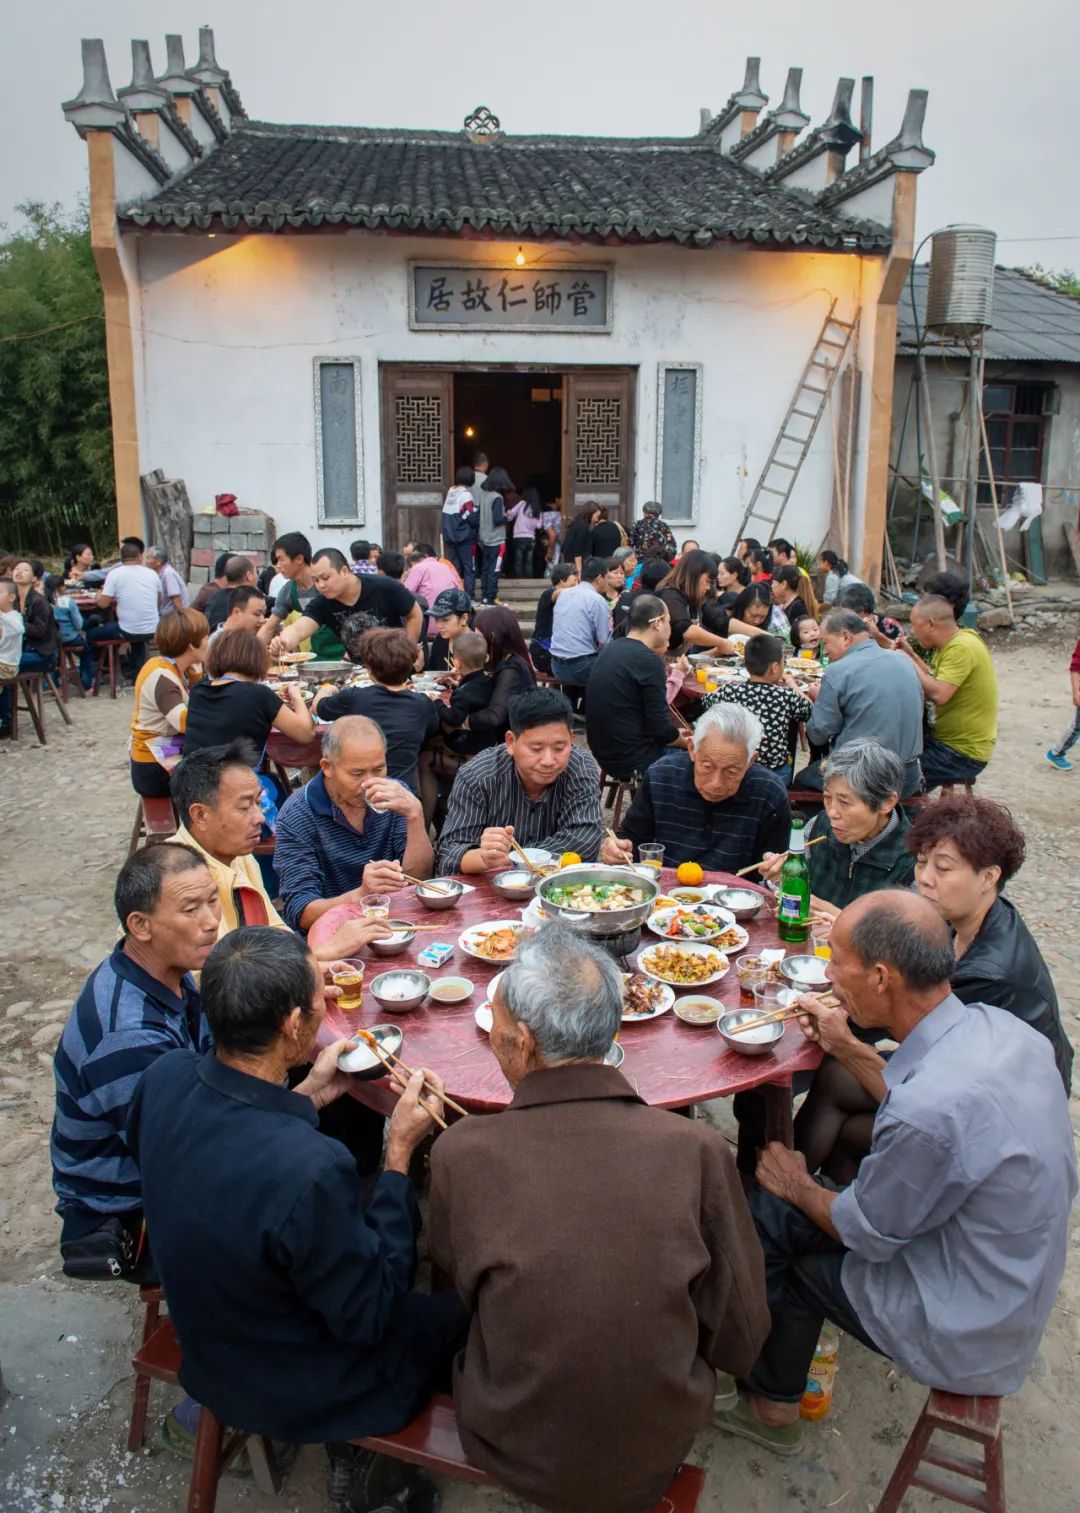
[[510, 668], [578, 544], [41, 634], [966, 849]]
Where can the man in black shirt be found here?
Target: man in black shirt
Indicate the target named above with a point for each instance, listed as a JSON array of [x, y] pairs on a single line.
[[239, 572], [350, 605], [627, 720]]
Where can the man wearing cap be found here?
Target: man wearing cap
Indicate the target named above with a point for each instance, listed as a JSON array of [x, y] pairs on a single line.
[[451, 615], [649, 536]]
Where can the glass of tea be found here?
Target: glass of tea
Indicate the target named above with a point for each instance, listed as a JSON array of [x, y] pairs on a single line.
[[375, 906], [752, 972], [348, 977]]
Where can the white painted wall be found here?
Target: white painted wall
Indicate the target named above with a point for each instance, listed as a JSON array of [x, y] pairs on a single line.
[[230, 325]]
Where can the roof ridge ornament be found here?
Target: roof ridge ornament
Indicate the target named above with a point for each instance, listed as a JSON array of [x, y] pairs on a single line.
[[95, 105], [176, 78], [483, 126], [144, 92]]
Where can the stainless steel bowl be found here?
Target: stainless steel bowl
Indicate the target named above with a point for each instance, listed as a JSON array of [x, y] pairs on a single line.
[[807, 973], [440, 900], [615, 921], [744, 903], [518, 885], [325, 672], [400, 991], [389, 1037], [765, 1038], [403, 936]]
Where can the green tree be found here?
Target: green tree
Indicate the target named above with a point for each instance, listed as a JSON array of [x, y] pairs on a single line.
[[56, 471], [1063, 280]]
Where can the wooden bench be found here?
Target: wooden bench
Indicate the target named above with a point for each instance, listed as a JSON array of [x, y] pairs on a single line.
[[108, 655], [972, 1418], [432, 1442], [31, 686], [155, 819]]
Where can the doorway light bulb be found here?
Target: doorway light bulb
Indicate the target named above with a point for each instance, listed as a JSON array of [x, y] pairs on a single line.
[[469, 433], [520, 259]]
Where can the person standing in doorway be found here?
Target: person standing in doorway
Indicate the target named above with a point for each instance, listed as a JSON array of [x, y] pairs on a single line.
[[490, 502], [607, 536], [460, 520], [526, 517]]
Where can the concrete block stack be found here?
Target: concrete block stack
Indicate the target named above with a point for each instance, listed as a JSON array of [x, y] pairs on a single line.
[[247, 534]]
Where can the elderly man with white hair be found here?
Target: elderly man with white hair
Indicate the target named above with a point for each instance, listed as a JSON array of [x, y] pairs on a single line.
[[603, 1249], [713, 804], [174, 591]]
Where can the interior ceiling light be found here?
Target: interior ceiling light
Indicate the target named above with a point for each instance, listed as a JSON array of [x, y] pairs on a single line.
[[520, 259]]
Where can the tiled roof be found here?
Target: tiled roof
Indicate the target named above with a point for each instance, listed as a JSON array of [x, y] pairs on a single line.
[[267, 177], [1030, 322]]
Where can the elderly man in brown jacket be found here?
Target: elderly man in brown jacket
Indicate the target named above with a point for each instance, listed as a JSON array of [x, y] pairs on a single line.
[[604, 1248]]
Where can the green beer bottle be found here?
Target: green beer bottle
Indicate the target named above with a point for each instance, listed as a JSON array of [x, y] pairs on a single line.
[[794, 912]]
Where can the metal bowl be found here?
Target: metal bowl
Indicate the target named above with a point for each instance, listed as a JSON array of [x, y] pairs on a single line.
[[400, 991], [393, 945], [614, 922], [440, 900], [744, 903], [325, 672], [389, 1037], [765, 1039], [807, 973], [519, 885]]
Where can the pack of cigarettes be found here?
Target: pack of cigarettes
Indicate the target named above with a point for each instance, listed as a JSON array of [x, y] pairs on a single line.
[[435, 954]]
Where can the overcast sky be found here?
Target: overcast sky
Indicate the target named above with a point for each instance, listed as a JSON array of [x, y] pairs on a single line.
[[1001, 79]]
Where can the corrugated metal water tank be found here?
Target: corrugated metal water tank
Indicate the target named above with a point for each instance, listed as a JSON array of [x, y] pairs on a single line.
[[961, 280]]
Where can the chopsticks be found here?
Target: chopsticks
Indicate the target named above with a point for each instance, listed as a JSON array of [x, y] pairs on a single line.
[[388, 1060], [426, 883], [533, 868], [777, 1016], [782, 857]]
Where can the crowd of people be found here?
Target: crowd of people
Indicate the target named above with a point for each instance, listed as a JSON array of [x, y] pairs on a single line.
[[201, 1136]]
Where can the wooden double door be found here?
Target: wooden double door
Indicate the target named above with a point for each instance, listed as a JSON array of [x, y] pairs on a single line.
[[416, 405]]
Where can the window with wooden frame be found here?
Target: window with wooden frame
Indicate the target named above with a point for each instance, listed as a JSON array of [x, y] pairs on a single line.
[[1016, 430], [339, 470]]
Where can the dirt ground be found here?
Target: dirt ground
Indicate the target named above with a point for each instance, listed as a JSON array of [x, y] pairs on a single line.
[[65, 818]]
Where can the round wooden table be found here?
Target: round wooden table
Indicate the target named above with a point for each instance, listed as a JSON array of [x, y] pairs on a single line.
[[668, 1063]]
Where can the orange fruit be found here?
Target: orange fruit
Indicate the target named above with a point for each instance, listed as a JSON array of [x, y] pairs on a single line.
[[569, 859], [689, 874]]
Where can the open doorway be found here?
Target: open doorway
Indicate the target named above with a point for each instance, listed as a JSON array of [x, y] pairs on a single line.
[[517, 420]]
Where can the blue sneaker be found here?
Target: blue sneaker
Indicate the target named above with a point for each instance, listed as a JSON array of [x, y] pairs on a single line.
[[1061, 763]]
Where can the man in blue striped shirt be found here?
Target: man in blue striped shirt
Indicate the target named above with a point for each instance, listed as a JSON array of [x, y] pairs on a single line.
[[714, 804], [350, 831], [139, 1003]]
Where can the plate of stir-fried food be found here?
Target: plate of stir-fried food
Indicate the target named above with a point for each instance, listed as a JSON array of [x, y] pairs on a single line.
[[644, 999], [683, 966], [596, 898], [702, 922], [494, 940]]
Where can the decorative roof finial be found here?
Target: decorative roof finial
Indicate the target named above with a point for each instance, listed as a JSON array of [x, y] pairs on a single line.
[[95, 104], [839, 131], [483, 125], [176, 78], [789, 114], [144, 92], [207, 70]]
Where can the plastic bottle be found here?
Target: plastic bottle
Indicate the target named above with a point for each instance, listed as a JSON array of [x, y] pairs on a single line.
[[821, 1378]]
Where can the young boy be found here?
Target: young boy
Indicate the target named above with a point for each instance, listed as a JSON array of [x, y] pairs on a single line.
[[775, 701], [11, 643], [473, 692], [1056, 754]]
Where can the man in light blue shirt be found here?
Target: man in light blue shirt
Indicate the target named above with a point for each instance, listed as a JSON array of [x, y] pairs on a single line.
[[582, 625], [946, 1252]]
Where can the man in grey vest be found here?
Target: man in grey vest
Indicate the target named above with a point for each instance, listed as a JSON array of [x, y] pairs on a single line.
[[489, 491]]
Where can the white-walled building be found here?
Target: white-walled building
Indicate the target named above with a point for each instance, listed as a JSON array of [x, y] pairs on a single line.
[[327, 321]]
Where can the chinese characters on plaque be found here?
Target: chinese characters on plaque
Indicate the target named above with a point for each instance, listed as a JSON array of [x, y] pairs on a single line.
[[506, 299]]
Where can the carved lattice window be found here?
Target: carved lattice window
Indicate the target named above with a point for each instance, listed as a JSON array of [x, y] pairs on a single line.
[[419, 438], [598, 441]]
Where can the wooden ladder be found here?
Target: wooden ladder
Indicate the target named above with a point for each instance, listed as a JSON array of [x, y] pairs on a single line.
[[799, 426]]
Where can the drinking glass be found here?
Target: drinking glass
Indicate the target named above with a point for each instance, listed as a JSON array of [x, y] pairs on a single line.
[[821, 946], [770, 996], [702, 675], [348, 977], [375, 906], [651, 855], [752, 973], [711, 685]]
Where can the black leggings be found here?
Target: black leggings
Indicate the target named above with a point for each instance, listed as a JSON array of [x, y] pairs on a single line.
[[149, 780]]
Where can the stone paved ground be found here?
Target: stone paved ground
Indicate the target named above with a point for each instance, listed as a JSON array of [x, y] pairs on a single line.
[[66, 816]]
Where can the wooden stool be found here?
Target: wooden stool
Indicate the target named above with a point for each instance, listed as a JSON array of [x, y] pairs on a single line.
[[158, 1359], [618, 791], [70, 657], [108, 652], [153, 1297], [432, 1442], [61, 703], [30, 683], [155, 819], [974, 1418]]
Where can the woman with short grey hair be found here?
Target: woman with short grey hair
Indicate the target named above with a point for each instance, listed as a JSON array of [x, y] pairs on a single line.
[[862, 833], [576, 1022]]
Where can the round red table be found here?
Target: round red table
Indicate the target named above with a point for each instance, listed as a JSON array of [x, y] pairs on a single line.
[[668, 1063]]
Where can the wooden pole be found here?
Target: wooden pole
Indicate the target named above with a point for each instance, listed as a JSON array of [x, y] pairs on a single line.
[[994, 497], [931, 461]]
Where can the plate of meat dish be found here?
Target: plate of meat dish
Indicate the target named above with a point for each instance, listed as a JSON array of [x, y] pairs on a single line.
[[683, 966], [643, 998], [494, 940]]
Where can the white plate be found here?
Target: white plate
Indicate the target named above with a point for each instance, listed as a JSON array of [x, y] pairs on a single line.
[[484, 1018], [467, 938], [683, 945], [539, 857], [723, 918], [667, 998]]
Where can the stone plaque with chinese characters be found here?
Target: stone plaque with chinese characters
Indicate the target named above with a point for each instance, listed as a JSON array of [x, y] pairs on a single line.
[[474, 297]]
